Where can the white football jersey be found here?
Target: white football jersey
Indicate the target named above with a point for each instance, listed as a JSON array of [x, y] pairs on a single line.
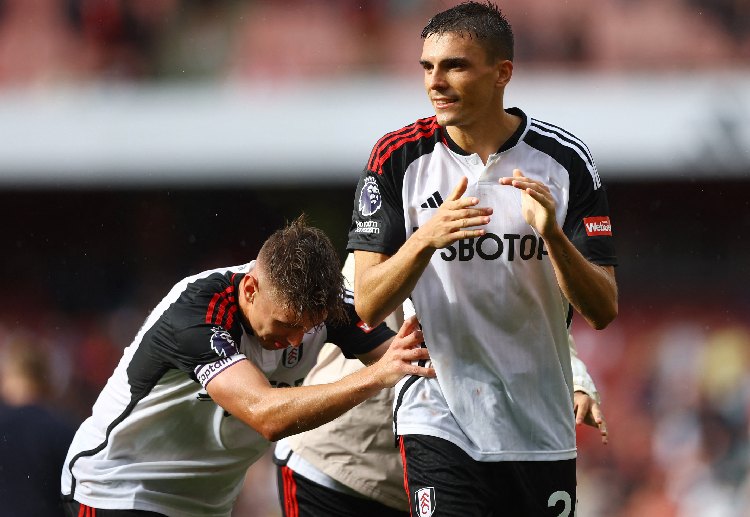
[[494, 319]]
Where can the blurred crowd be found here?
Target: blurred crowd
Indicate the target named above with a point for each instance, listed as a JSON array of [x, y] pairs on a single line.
[[676, 388], [53, 42]]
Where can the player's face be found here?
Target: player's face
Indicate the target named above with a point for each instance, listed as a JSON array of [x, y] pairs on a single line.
[[460, 82], [275, 327]]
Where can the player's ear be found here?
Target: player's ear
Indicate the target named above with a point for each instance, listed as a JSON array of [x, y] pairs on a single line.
[[504, 72], [249, 286]]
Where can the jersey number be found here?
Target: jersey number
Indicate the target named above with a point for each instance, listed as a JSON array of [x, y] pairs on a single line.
[[560, 496]]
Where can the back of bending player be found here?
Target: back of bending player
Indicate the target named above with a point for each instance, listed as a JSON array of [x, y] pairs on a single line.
[[194, 402]]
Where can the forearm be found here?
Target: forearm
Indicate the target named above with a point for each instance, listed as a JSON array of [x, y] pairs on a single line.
[[279, 412], [382, 283], [590, 288]]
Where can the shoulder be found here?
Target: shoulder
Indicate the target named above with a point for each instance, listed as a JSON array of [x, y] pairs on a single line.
[[563, 146], [420, 135]]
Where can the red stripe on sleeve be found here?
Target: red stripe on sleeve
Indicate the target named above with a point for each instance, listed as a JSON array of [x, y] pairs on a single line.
[[392, 141], [386, 140], [230, 315], [228, 292], [400, 143], [211, 305]]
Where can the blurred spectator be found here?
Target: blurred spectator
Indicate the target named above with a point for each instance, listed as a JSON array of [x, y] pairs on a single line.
[[33, 440], [49, 41]]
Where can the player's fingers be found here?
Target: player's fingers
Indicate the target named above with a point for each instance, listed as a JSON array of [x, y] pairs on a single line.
[[419, 352], [582, 410], [422, 371], [411, 341], [409, 326], [467, 234], [508, 180], [459, 190]]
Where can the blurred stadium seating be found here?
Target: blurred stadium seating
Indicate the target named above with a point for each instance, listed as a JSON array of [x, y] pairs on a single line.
[[147, 139]]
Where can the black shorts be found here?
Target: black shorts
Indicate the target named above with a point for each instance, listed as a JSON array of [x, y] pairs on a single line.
[[442, 481], [300, 497], [76, 509]]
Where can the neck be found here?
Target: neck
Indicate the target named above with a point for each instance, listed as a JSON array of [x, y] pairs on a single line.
[[485, 138]]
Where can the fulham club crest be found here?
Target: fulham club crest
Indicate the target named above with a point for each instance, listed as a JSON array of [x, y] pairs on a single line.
[[424, 501], [292, 356]]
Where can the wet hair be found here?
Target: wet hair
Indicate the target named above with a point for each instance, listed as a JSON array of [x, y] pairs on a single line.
[[303, 272], [483, 21]]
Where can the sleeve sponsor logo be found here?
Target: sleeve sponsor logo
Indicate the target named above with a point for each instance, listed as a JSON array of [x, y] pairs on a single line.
[[597, 226], [364, 327], [367, 227], [222, 342], [369, 199]]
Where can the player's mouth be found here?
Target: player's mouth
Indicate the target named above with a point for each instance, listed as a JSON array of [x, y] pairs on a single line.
[[443, 102]]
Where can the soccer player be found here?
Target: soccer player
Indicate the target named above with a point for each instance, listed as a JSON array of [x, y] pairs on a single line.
[[495, 224], [194, 402], [350, 466]]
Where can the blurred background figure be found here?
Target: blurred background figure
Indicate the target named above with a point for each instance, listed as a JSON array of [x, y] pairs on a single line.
[[33, 437], [137, 133]]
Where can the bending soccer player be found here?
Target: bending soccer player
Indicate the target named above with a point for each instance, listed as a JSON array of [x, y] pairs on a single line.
[[194, 400]]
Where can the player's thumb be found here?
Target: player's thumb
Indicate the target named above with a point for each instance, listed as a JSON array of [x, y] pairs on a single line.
[[459, 190]]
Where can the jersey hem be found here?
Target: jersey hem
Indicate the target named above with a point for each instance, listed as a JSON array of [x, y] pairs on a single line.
[[566, 454], [145, 506]]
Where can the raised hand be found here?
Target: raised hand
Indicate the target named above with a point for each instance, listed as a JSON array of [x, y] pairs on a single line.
[[453, 218], [537, 204]]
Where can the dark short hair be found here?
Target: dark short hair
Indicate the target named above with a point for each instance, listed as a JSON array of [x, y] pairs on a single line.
[[303, 272], [483, 21]]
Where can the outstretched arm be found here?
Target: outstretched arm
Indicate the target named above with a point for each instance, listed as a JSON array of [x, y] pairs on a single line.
[[382, 282], [591, 289], [245, 392]]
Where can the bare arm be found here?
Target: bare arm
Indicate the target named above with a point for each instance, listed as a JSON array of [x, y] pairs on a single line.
[[382, 282], [245, 392], [591, 289]]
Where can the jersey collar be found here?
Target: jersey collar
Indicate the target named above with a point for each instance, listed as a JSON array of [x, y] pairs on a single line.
[[508, 144]]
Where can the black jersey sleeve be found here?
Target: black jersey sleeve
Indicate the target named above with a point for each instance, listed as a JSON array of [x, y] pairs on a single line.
[[378, 215], [354, 337], [587, 222]]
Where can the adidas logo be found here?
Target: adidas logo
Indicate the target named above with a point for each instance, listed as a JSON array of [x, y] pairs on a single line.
[[433, 201]]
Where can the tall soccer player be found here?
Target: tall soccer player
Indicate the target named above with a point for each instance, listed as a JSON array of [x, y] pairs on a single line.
[[496, 224]]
